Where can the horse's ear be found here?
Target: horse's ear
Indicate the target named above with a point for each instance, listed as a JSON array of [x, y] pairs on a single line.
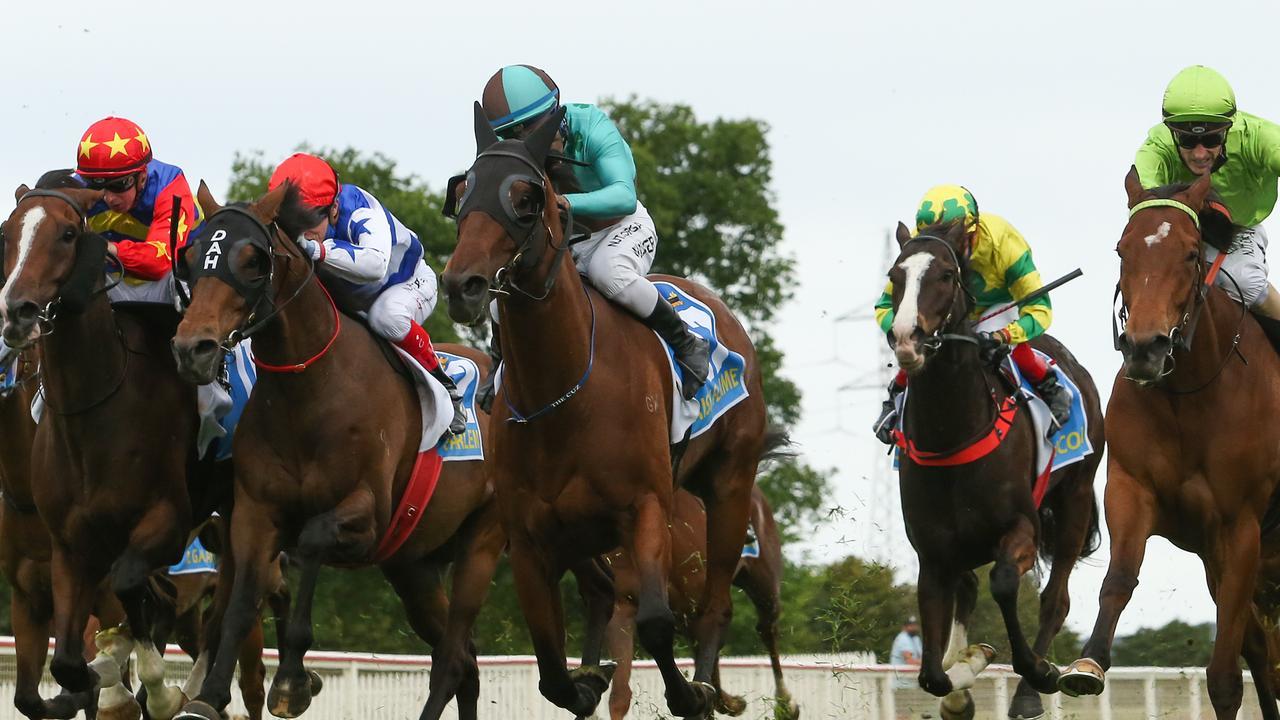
[[1133, 186], [539, 141], [204, 196], [22, 190], [268, 207], [957, 237], [485, 136], [1198, 191], [903, 234]]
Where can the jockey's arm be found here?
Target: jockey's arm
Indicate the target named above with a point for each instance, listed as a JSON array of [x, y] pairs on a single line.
[[884, 308], [1021, 279], [151, 259], [365, 257], [611, 160]]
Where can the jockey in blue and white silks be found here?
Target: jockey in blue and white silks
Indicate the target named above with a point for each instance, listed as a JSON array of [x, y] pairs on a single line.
[[620, 251], [374, 256]]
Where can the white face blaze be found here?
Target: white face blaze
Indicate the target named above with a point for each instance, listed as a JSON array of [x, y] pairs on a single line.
[[28, 224], [1161, 233], [904, 321]]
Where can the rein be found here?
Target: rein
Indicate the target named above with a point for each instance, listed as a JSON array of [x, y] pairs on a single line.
[[300, 367], [1183, 334], [516, 417]]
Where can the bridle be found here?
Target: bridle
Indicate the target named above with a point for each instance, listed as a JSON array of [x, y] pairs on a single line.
[[257, 291], [933, 343], [1183, 333]]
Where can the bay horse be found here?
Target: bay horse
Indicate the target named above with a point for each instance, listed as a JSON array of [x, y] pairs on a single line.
[[115, 450], [323, 456], [1191, 458], [760, 577], [962, 516], [588, 467]]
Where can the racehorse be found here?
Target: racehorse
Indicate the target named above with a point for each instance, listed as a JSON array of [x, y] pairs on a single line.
[[1190, 458], [760, 577], [964, 512], [572, 481], [323, 455], [115, 449]]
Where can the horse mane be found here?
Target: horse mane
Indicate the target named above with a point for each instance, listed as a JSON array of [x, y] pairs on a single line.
[[294, 216], [63, 178], [1216, 227]]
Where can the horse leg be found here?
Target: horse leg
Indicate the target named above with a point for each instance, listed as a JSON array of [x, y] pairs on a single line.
[[454, 669], [1257, 655], [620, 638], [655, 624], [1236, 560], [73, 593], [130, 580], [345, 533], [30, 621], [1014, 557], [254, 542], [595, 587], [1131, 513], [762, 585], [936, 595], [962, 662], [728, 508], [253, 672]]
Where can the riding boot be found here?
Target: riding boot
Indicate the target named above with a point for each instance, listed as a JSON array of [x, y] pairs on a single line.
[[1056, 396], [487, 390], [888, 420], [693, 352], [458, 425]]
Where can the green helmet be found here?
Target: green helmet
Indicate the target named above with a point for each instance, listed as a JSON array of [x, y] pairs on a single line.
[[517, 94], [1198, 94], [946, 203]]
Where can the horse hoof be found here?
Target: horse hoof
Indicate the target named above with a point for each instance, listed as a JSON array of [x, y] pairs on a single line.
[[731, 705], [127, 710], [286, 701], [966, 711], [317, 682], [166, 703], [197, 710], [1026, 704], [1083, 677], [708, 705], [788, 711], [1046, 682]]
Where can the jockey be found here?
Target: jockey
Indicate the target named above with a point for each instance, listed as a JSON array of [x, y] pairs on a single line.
[[621, 248], [135, 213], [1000, 271], [375, 257], [1203, 133]]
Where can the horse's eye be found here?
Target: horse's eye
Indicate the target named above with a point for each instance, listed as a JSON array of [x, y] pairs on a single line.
[[1193, 256], [69, 234], [948, 276]]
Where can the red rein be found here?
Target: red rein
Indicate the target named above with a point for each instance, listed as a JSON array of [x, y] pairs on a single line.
[[299, 367]]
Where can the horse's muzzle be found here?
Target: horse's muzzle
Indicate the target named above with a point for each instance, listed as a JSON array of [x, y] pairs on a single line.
[[909, 351], [1145, 360], [20, 319], [197, 358], [466, 295]]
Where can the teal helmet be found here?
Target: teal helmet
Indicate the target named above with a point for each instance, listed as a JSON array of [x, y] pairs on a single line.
[[519, 95]]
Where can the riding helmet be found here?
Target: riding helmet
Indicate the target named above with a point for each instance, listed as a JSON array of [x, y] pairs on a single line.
[[517, 95], [112, 147]]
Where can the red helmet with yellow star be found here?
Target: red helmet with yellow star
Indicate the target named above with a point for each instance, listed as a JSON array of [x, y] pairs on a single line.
[[315, 179], [112, 147]]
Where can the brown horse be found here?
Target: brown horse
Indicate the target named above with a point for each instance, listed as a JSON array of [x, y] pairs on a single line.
[[323, 456], [1192, 458], [115, 450], [760, 577], [574, 482], [962, 516]]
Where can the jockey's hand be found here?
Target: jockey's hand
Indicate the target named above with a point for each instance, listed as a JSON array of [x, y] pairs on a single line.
[[312, 248], [112, 251], [993, 344]]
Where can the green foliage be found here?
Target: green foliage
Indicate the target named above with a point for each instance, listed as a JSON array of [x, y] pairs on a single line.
[[987, 625], [1177, 644]]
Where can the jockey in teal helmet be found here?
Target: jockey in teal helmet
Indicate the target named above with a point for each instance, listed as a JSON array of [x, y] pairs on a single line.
[[620, 251]]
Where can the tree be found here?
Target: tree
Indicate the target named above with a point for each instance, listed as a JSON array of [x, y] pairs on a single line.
[[1176, 644]]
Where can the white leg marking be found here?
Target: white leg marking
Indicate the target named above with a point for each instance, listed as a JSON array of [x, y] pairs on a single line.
[[904, 321], [29, 223]]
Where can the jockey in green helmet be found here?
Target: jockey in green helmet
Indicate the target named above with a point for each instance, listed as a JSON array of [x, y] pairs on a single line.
[[620, 251], [1202, 132]]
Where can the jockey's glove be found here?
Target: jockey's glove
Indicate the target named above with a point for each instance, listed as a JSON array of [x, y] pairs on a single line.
[[312, 248], [992, 345]]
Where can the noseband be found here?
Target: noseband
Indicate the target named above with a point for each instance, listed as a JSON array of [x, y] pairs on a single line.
[[934, 342]]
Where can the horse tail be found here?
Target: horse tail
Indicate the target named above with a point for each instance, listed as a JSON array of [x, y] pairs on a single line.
[[1049, 534], [777, 444]]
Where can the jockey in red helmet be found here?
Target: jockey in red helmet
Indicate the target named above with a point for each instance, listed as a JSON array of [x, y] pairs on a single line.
[[135, 213], [374, 256]]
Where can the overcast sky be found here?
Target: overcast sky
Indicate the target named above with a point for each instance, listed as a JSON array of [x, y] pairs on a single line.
[[1036, 107]]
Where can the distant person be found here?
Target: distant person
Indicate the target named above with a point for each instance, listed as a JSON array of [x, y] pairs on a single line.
[[1201, 133], [907, 650]]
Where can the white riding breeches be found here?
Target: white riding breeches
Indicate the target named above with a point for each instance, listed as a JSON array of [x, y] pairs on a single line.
[[392, 314], [1246, 264], [616, 259]]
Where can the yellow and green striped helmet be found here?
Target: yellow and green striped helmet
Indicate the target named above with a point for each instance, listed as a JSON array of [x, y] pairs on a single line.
[[947, 203]]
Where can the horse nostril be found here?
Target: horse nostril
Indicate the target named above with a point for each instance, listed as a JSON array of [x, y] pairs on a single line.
[[205, 347], [26, 311], [475, 286]]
